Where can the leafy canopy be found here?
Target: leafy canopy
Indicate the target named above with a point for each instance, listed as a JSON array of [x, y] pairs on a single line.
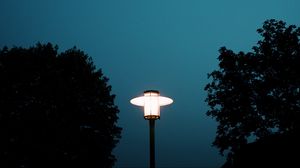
[[256, 94], [56, 110]]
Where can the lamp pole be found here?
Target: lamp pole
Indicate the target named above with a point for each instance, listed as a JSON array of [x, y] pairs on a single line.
[[151, 101], [152, 143]]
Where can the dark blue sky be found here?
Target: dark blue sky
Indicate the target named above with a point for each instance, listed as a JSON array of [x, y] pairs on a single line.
[[168, 45]]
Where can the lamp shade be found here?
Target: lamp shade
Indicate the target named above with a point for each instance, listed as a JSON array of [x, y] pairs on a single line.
[[151, 101]]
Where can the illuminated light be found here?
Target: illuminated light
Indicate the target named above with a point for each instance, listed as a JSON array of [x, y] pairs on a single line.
[[151, 101]]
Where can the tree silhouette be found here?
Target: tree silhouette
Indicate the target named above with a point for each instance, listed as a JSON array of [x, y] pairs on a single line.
[[256, 95], [56, 110]]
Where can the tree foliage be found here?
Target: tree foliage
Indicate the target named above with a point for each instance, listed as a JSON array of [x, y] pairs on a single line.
[[257, 94], [56, 110]]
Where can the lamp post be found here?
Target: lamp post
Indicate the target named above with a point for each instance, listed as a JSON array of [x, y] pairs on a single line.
[[151, 101]]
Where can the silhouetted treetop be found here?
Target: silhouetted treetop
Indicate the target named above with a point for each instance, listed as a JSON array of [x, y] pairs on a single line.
[[257, 94], [56, 109]]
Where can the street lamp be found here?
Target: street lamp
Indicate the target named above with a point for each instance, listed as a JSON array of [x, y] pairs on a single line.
[[151, 101]]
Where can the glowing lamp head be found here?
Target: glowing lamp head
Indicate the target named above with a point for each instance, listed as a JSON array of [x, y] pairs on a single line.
[[151, 101]]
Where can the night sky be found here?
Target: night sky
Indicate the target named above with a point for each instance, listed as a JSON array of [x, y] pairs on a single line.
[[167, 45]]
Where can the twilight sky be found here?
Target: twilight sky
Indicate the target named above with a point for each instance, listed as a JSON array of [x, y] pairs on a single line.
[[167, 45]]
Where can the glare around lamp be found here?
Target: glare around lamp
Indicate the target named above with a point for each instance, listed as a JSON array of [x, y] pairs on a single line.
[[151, 101]]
